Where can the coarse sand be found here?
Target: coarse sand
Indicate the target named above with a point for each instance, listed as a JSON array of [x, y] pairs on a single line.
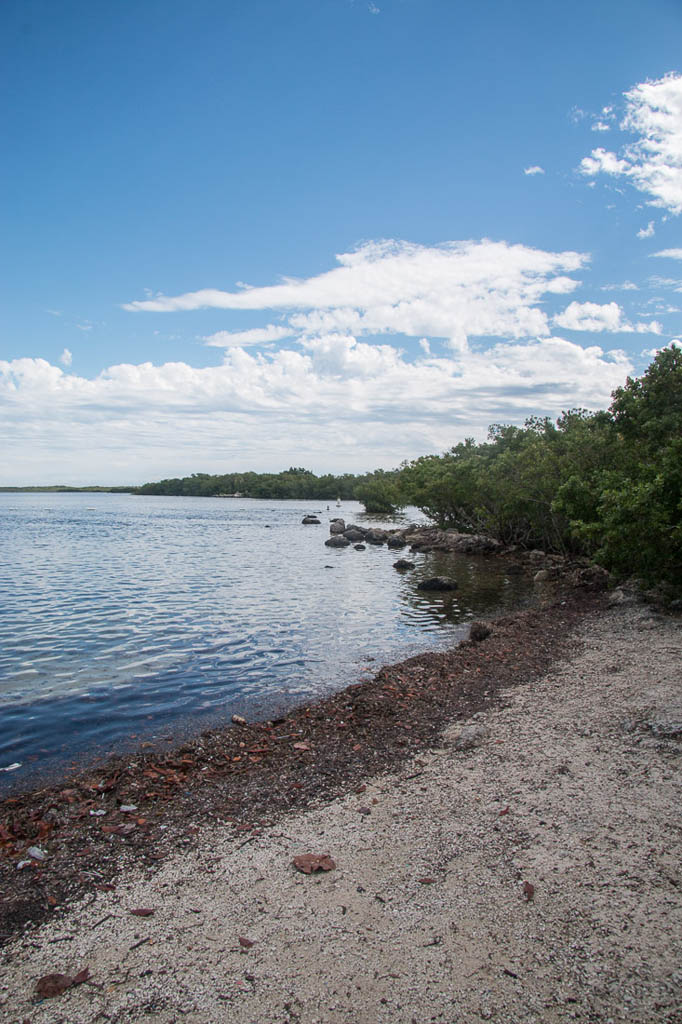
[[527, 868]]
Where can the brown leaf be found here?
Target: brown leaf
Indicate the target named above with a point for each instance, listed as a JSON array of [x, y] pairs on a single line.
[[142, 912], [53, 985], [528, 890], [245, 943], [505, 810], [427, 881], [309, 862]]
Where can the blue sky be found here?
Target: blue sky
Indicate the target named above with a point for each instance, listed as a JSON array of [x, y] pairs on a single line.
[[331, 233]]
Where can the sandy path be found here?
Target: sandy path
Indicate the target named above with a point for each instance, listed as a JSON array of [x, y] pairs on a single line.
[[574, 787]]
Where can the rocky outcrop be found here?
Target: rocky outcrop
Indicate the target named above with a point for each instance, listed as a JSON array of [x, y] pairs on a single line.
[[310, 520], [337, 526], [376, 536], [403, 563], [430, 538]]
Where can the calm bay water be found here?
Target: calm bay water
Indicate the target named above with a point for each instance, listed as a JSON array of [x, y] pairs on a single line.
[[126, 618]]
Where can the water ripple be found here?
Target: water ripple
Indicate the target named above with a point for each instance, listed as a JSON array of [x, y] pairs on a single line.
[[123, 618]]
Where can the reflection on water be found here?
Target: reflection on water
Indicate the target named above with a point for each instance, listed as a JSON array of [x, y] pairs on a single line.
[[121, 615]]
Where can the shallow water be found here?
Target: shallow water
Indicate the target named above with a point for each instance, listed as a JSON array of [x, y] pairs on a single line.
[[126, 618]]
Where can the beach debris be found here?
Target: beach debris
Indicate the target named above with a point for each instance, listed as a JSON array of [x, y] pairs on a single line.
[[479, 631], [36, 853], [364, 810], [528, 890], [142, 912], [11, 767], [55, 984], [301, 746], [97, 814], [310, 862], [426, 881], [128, 808], [245, 943], [238, 720]]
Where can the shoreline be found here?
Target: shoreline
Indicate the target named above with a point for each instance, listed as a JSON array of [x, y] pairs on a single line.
[[252, 773], [524, 867]]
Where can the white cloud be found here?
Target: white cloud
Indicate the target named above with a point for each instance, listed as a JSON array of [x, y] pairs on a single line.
[[593, 316], [340, 404], [648, 231], [671, 254], [626, 286], [535, 169], [66, 357], [653, 162], [241, 339], [452, 291], [600, 126]]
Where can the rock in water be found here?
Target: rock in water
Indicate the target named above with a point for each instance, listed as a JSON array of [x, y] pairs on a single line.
[[338, 541], [438, 583]]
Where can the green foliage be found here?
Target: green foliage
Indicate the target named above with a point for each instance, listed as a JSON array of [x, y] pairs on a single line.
[[605, 484], [379, 493]]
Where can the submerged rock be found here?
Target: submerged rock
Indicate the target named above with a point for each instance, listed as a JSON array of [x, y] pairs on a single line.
[[403, 563], [309, 520], [438, 583], [337, 526]]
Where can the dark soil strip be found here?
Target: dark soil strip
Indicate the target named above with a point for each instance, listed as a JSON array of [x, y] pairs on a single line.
[[247, 776]]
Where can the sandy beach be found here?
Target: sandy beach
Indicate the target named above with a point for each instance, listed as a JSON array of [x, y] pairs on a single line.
[[518, 862]]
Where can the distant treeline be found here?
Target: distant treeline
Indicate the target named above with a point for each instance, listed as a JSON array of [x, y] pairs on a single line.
[[604, 484], [294, 482], [64, 488]]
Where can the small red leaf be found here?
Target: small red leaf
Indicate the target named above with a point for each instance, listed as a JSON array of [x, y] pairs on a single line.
[[309, 862], [528, 890], [142, 912], [245, 943], [427, 881]]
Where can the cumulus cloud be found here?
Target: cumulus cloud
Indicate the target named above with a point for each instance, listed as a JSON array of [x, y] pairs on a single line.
[[653, 162], [452, 291], [648, 231], [535, 169], [339, 404], [593, 316], [671, 254], [242, 339], [66, 357]]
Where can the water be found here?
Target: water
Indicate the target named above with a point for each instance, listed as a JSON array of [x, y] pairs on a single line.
[[126, 618]]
